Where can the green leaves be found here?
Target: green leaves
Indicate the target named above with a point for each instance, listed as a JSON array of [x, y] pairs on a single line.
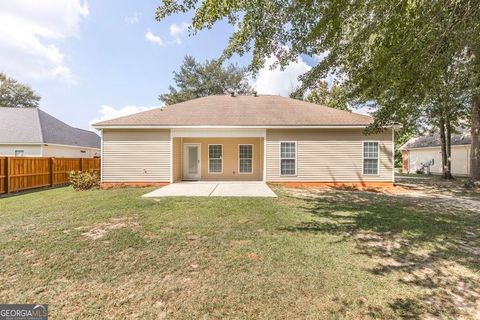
[[195, 80], [393, 54], [334, 97], [16, 95]]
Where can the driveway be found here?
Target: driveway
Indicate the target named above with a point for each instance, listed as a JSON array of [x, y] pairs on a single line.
[[214, 189]]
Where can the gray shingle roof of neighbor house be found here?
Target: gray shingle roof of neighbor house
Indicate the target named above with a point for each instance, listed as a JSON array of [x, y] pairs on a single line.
[[224, 110], [462, 138], [32, 125]]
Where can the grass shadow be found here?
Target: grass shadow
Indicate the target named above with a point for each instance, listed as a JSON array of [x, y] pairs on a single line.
[[429, 245]]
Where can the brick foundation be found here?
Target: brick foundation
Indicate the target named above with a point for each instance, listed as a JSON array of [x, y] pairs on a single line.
[[109, 185], [356, 185]]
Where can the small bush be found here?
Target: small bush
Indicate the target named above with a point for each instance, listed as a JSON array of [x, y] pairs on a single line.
[[84, 180], [471, 184]]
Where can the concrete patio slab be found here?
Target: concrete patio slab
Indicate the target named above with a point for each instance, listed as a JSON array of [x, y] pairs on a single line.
[[246, 189], [183, 189], [213, 189]]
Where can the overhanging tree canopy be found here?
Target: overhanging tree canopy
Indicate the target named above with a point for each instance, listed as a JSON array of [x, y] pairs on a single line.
[[391, 52]]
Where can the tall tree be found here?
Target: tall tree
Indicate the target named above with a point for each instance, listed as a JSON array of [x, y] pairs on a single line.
[[334, 97], [16, 95], [195, 80], [392, 52]]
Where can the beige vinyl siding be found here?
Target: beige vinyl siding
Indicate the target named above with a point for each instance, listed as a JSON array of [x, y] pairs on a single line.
[[329, 155], [230, 158], [135, 155]]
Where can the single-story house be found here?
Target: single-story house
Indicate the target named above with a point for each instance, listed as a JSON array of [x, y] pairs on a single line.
[[260, 137], [31, 132], [426, 149]]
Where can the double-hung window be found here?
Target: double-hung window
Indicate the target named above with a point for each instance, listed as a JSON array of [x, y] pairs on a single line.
[[370, 158], [215, 164], [245, 158], [288, 158]]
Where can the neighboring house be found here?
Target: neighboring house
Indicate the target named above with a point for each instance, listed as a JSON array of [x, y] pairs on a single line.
[[420, 150], [263, 138], [30, 132]]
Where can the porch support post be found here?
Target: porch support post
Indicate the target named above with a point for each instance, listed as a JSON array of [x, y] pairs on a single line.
[[171, 156], [265, 156]]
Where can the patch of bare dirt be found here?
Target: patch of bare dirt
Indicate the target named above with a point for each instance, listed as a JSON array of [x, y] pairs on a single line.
[[99, 230], [253, 256], [418, 194]]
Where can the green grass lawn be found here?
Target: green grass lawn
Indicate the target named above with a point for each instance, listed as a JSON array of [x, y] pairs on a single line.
[[308, 254]]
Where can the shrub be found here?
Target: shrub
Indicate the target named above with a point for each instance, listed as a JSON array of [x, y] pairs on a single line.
[[84, 180], [470, 184]]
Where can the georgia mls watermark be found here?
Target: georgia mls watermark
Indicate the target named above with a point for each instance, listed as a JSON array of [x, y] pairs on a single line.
[[23, 311]]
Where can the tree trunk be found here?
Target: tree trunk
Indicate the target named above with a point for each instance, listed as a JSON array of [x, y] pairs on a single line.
[[448, 145], [443, 147], [475, 151]]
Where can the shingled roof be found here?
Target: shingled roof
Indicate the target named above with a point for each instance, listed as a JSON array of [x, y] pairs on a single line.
[[462, 138], [32, 125], [224, 110]]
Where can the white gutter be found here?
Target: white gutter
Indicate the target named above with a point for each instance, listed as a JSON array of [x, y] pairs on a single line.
[[41, 144], [229, 127], [466, 145]]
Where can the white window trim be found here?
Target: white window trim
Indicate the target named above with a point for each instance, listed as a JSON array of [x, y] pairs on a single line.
[[280, 159], [363, 159], [221, 157], [15, 152], [244, 144]]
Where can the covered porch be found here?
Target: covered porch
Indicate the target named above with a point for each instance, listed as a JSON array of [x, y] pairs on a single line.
[[218, 155]]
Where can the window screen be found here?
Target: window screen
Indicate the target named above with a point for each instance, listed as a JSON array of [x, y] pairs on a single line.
[[288, 158], [245, 154], [215, 158], [370, 158]]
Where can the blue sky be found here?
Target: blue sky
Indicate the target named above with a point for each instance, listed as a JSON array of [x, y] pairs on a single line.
[[92, 60]]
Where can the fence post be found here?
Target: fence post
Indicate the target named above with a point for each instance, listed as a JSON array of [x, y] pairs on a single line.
[[7, 175], [81, 164], [52, 165]]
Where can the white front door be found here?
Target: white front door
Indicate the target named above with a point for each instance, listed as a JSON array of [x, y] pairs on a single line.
[[191, 161]]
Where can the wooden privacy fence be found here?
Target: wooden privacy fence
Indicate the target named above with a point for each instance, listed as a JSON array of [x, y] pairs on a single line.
[[23, 173]]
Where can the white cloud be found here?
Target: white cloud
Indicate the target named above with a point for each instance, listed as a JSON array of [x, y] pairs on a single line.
[[133, 19], [363, 110], [178, 30], [150, 36], [108, 112], [277, 81], [29, 31]]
